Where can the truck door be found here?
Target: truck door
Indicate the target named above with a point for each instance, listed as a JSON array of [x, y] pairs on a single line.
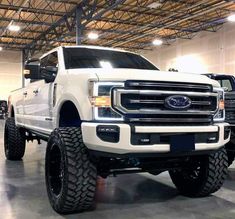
[[39, 100]]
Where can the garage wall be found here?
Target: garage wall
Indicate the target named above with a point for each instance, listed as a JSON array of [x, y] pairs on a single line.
[[10, 72], [207, 52]]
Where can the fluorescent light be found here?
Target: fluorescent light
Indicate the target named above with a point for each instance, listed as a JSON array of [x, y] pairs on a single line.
[[1, 48], [157, 42], [231, 18], [15, 28], [93, 36], [155, 5]]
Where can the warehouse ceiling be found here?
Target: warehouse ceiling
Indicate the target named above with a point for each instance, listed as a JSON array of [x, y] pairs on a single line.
[[128, 24]]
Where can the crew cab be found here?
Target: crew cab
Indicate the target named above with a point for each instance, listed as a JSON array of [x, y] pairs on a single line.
[[106, 111]]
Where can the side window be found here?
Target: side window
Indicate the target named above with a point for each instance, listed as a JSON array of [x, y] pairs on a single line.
[[43, 62], [49, 67], [53, 60]]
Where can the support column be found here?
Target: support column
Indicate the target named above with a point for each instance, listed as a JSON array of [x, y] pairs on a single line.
[[79, 28]]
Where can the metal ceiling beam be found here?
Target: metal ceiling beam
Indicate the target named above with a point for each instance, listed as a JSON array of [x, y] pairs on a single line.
[[159, 27], [52, 28], [213, 24], [87, 18], [23, 21], [133, 24], [31, 10], [64, 1], [170, 17]]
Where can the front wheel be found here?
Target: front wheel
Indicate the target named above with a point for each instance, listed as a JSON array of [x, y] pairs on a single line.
[[14, 140], [70, 174], [203, 176]]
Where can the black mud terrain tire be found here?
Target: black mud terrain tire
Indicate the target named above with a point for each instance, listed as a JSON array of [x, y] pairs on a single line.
[[204, 176], [70, 174], [14, 140]]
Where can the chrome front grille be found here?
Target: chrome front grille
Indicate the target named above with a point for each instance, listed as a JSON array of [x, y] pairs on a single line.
[[151, 85], [146, 102]]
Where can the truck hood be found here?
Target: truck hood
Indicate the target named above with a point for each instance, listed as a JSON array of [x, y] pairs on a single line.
[[152, 75], [138, 74]]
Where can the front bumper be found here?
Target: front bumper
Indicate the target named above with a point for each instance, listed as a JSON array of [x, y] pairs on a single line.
[[125, 146]]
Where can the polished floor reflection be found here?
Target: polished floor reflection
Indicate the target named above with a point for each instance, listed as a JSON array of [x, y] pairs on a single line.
[[23, 194]]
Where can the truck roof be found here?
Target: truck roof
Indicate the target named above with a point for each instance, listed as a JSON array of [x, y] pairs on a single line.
[[88, 47], [215, 75]]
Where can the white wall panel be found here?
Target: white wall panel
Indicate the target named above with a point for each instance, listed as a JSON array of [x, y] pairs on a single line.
[[207, 52], [10, 72]]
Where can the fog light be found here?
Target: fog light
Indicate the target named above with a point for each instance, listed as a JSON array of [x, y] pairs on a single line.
[[108, 133]]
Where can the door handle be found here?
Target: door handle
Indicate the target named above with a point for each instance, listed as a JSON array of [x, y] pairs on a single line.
[[25, 93]]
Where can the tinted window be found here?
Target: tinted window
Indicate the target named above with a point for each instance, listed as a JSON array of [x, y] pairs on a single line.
[[43, 62], [53, 60], [96, 58], [49, 60]]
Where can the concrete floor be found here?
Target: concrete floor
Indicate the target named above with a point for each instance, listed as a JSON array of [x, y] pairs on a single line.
[[23, 194]]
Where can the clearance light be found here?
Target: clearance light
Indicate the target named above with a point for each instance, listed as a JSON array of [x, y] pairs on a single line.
[[157, 42]]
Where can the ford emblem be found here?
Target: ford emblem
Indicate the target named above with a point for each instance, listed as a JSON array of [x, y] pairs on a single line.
[[178, 102]]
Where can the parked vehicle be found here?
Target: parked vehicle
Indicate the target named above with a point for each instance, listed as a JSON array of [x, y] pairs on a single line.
[[228, 83], [3, 109], [107, 112]]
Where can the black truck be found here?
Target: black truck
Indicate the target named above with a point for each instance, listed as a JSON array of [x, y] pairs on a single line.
[[228, 83]]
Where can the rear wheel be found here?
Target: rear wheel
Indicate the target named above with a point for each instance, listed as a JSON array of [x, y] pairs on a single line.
[[70, 174], [14, 140], [205, 175]]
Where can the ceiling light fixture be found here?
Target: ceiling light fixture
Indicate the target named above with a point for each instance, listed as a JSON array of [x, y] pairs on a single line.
[[157, 42], [93, 36], [231, 18], [14, 28], [155, 5]]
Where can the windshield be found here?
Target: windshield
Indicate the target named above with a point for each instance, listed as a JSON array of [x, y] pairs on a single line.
[[97, 58]]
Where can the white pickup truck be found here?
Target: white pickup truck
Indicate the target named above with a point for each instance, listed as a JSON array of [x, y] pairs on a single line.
[[106, 111]]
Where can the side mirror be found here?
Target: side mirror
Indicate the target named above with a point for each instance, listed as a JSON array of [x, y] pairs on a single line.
[[49, 73], [32, 70]]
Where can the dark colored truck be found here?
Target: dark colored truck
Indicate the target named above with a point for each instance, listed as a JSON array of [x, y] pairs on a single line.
[[3, 109], [228, 83]]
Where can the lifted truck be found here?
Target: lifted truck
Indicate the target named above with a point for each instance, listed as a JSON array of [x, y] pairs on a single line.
[[106, 111], [228, 83]]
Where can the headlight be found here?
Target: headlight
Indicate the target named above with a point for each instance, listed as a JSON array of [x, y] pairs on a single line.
[[220, 114], [100, 98]]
